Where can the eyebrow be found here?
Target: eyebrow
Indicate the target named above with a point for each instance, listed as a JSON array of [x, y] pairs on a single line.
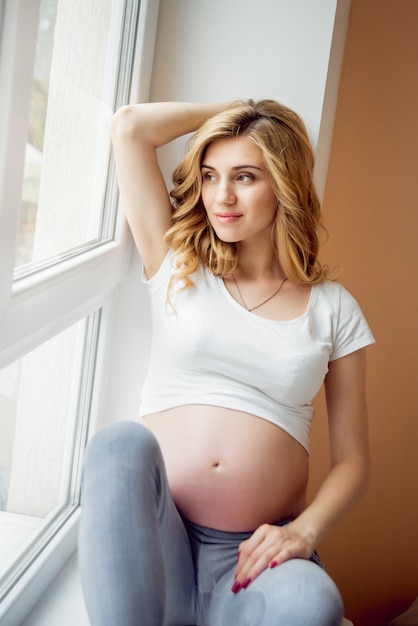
[[235, 168]]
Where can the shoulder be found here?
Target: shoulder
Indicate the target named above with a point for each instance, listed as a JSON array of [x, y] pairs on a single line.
[[330, 288], [349, 328], [335, 296], [334, 300]]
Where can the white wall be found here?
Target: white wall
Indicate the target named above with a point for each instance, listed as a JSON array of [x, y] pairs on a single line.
[[234, 49], [222, 50], [218, 50], [240, 48]]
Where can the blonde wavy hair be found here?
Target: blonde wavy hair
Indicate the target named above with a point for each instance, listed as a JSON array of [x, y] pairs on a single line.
[[282, 138]]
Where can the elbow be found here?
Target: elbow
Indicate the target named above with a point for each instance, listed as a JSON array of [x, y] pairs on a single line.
[[367, 473], [363, 471], [356, 470], [127, 123]]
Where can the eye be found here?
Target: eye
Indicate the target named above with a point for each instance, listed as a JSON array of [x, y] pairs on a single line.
[[244, 177], [209, 176]]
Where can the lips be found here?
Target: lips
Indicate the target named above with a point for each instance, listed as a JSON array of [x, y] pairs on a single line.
[[227, 218]]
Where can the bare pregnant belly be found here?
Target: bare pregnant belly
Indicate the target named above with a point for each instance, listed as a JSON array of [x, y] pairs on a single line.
[[230, 470]]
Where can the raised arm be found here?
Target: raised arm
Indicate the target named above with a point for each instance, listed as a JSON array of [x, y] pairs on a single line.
[[137, 131]]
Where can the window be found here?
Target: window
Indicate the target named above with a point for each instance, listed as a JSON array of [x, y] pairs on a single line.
[[43, 435], [66, 203], [65, 66]]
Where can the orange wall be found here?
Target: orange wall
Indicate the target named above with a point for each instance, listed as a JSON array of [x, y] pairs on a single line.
[[371, 212]]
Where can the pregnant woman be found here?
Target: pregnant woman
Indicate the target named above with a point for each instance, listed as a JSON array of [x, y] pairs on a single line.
[[199, 515]]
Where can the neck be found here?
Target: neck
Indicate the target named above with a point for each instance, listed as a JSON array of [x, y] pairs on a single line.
[[256, 264]]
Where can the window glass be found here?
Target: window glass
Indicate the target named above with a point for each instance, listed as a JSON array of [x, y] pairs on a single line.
[[63, 205], [44, 404], [82, 72]]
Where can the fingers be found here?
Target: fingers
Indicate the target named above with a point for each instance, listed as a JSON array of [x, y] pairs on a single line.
[[256, 554], [267, 547]]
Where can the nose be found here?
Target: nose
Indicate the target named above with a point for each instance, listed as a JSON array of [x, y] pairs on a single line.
[[225, 192]]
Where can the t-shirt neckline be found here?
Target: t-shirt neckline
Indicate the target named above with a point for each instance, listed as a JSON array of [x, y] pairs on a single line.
[[255, 315]]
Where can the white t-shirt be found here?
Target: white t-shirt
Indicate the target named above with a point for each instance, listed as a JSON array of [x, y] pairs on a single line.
[[212, 351]]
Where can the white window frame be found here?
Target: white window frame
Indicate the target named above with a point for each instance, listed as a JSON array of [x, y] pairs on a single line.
[[40, 305]]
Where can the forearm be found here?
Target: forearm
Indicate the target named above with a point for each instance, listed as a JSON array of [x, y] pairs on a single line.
[[270, 545], [159, 123], [338, 494]]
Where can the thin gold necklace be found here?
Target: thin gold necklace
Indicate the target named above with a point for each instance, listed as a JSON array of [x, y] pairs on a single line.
[[261, 303]]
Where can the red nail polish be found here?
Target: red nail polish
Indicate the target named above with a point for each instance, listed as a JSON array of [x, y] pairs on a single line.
[[235, 587], [246, 582], [273, 564]]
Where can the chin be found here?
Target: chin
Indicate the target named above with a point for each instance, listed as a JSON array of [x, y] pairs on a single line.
[[226, 237]]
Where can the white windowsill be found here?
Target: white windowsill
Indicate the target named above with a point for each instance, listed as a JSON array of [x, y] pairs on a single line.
[[43, 571], [16, 533]]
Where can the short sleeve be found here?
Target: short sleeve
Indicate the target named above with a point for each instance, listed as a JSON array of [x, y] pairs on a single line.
[[162, 275], [352, 331]]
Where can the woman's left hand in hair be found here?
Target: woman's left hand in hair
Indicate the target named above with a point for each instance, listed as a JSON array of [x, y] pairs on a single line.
[[268, 547]]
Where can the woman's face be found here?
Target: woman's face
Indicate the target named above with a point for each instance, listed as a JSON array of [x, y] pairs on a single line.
[[236, 191]]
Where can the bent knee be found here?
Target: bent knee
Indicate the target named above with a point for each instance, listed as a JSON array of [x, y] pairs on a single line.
[[317, 599], [297, 592], [119, 441]]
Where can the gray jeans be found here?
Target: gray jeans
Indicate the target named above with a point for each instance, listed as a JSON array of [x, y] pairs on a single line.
[[141, 564]]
